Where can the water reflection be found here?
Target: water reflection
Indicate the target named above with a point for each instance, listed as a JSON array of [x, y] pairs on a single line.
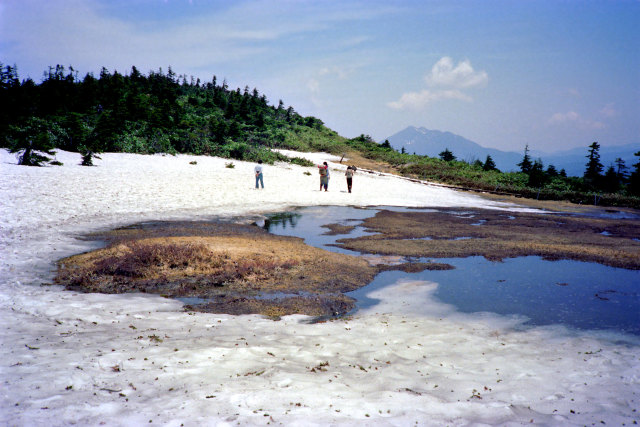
[[307, 223], [281, 220], [579, 294], [583, 295]]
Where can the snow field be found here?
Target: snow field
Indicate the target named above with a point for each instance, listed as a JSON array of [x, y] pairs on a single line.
[[71, 358]]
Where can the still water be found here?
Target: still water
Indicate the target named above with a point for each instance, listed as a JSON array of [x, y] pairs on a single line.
[[577, 294]]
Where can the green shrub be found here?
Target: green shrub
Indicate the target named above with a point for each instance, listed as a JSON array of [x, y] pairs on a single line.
[[301, 161]]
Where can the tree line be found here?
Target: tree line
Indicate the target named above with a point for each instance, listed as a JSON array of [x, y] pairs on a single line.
[[618, 186], [137, 113], [618, 178]]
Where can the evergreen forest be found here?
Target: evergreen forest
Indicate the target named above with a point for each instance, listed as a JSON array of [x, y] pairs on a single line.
[[162, 112]]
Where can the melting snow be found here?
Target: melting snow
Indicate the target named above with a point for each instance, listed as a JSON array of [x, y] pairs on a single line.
[[88, 359]]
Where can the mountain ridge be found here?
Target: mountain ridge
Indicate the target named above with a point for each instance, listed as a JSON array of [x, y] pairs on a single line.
[[431, 143]]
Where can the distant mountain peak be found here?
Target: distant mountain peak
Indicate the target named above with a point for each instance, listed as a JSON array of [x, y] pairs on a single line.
[[426, 142]]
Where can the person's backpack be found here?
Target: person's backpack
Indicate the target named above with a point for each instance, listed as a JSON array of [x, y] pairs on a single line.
[[323, 171]]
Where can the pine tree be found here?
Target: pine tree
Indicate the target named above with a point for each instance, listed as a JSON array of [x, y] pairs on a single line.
[[447, 155], [593, 173], [34, 141], [634, 180], [525, 164], [537, 177], [489, 164], [611, 181], [552, 172], [621, 170]]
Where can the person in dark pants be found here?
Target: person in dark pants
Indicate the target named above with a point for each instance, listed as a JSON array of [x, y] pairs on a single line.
[[349, 174]]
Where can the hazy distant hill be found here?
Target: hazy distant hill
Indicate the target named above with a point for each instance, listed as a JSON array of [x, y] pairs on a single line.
[[574, 160], [432, 142]]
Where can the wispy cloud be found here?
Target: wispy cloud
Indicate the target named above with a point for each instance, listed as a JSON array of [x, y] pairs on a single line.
[[570, 116], [574, 92], [575, 119], [80, 33], [448, 82], [418, 100], [89, 33], [324, 79], [341, 72], [609, 110]]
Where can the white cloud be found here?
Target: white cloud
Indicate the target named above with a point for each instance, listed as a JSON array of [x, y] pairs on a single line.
[[418, 100], [461, 76], [571, 117], [338, 71], [448, 82]]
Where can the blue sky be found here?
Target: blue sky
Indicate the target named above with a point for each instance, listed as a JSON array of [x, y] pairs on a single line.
[[551, 74]]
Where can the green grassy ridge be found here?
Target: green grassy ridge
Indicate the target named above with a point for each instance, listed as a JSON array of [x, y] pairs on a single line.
[[472, 176]]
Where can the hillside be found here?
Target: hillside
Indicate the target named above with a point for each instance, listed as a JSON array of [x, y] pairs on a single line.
[[159, 112]]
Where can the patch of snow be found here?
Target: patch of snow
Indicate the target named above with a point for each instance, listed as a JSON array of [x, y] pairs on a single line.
[[87, 359]]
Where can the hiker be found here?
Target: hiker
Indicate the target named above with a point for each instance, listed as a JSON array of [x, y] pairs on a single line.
[[324, 176], [349, 174], [258, 171]]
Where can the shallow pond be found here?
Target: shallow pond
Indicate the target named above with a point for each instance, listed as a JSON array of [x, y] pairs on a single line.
[[577, 294]]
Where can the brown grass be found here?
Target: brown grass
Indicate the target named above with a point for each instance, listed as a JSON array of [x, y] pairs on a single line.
[[356, 159], [201, 266], [227, 262], [501, 235]]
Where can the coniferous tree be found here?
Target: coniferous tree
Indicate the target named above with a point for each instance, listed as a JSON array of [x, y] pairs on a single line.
[[634, 180], [489, 164], [525, 164], [610, 180], [593, 173], [141, 113], [87, 156], [621, 170], [447, 155], [537, 177], [34, 141]]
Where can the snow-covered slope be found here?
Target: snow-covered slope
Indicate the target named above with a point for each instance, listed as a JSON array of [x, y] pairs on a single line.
[[90, 359]]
